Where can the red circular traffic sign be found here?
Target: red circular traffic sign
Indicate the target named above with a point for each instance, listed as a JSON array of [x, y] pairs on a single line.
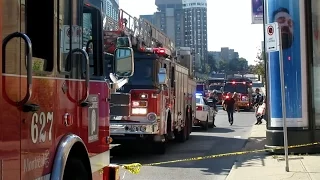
[[270, 30], [68, 32]]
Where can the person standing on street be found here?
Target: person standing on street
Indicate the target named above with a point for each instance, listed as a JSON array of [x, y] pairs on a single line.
[[228, 105], [257, 102], [236, 98], [214, 99]]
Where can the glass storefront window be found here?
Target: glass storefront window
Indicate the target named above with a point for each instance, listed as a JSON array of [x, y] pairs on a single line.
[[316, 59]]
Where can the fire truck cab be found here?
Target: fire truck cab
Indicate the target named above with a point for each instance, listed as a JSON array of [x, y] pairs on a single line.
[[160, 93], [243, 88], [54, 108]]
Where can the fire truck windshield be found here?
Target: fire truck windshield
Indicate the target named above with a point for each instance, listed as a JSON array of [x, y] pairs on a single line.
[[142, 73], [215, 87], [238, 87], [200, 88]]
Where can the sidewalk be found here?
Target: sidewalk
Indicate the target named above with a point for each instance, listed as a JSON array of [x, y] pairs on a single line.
[[266, 167]]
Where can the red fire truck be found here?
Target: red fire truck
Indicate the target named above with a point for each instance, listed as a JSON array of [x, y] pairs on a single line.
[[54, 108], [161, 93], [243, 87]]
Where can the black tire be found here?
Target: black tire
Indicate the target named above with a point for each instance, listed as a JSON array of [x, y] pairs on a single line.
[[191, 120], [169, 120], [76, 170], [211, 125], [159, 148], [182, 135], [188, 119], [206, 124]]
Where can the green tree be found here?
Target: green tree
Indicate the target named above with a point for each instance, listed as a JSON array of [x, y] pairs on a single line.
[[206, 68], [238, 65], [260, 66], [251, 69], [222, 66], [242, 64]]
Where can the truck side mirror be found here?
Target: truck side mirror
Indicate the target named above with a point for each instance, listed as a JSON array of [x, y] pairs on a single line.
[[162, 76], [124, 62]]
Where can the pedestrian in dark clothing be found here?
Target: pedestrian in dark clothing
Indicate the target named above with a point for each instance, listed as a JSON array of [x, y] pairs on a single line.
[[229, 105], [213, 103], [214, 98], [257, 102]]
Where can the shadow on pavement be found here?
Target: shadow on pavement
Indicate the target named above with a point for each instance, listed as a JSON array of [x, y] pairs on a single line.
[[247, 160], [213, 130], [198, 145]]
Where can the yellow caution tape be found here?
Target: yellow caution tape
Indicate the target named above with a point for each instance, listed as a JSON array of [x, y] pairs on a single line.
[[135, 168]]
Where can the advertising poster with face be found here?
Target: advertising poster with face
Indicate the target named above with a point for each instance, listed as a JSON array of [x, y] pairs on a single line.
[[257, 11], [287, 13], [316, 59]]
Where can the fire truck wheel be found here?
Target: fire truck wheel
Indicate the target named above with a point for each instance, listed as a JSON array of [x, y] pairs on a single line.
[[75, 169], [206, 124], [182, 135], [189, 122], [169, 122]]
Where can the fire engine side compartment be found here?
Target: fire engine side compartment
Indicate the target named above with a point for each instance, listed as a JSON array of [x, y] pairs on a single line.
[[192, 86], [181, 91]]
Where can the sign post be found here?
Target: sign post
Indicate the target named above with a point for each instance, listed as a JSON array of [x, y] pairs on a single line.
[[274, 44]]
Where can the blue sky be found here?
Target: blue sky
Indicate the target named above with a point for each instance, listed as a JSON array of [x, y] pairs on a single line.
[[229, 24]]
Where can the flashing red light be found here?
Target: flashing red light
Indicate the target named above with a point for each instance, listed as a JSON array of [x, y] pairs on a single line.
[[160, 51], [142, 49], [243, 82], [233, 82], [199, 108], [227, 97]]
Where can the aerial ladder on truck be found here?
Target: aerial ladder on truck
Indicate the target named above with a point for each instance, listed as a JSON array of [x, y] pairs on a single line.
[[161, 109]]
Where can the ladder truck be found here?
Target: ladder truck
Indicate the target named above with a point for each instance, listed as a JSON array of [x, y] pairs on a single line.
[[54, 98], [160, 94]]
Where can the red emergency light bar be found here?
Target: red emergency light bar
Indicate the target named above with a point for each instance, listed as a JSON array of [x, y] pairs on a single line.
[[160, 51], [234, 82]]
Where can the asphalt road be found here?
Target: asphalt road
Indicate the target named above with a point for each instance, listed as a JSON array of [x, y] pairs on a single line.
[[222, 139]]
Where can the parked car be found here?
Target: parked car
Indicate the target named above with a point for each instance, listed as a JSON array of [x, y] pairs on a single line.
[[205, 114]]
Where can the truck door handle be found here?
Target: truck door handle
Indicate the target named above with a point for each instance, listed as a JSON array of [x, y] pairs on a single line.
[[83, 102], [28, 63]]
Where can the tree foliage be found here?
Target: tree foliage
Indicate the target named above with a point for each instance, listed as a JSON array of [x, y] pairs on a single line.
[[221, 65], [260, 66]]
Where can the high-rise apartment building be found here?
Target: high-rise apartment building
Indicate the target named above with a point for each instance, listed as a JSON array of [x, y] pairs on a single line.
[[185, 22], [112, 8], [224, 53], [228, 54], [169, 19], [195, 27], [150, 18]]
